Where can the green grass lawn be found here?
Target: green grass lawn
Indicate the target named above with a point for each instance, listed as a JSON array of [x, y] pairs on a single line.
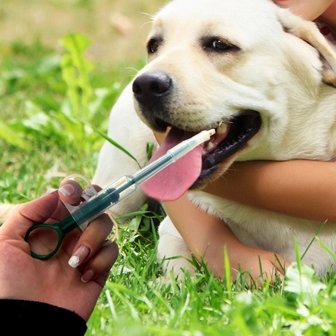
[[54, 104]]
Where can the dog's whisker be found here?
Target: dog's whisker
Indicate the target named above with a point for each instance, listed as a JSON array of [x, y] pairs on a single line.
[[150, 16], [133, 71]]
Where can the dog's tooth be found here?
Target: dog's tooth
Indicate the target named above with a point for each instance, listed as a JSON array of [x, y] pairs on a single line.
[[210, 146], [222, 128]]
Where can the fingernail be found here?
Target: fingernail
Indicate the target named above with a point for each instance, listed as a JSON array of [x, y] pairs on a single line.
[[66, 189], [87, 276], [80, 254], [107, 243], [50, 190]]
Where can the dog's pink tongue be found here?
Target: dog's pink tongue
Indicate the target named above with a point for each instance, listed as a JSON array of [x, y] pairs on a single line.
[[172, 182]]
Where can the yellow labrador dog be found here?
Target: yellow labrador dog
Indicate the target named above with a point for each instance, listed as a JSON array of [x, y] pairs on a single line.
[[264, 78]]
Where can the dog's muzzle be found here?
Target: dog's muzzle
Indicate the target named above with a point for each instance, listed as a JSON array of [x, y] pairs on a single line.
[[153, 92]]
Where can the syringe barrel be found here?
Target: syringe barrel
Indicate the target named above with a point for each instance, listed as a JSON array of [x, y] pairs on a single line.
[[105, 199], [95, 206]]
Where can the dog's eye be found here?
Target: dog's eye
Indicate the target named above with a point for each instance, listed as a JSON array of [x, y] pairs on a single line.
[[153, 45], [217, 44]]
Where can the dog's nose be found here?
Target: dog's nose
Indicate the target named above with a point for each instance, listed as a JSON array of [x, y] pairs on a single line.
[[149, 87]]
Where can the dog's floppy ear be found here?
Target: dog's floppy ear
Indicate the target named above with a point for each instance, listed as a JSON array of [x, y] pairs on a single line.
[[308, 31]]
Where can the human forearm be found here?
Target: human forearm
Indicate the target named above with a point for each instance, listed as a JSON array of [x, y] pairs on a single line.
[[192, 223], [196, 228], [207, 236], [300, 188]]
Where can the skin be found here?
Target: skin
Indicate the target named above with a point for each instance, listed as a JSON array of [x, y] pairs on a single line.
[[54, 281], [296, 188], [309, 9], [209, 237], [321, 10]]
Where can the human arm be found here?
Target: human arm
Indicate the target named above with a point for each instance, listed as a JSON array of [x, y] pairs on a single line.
[[300, 188], [207, 237], [54, 282]]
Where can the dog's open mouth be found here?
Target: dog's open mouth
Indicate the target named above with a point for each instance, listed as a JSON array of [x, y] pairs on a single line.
[[193, 169]]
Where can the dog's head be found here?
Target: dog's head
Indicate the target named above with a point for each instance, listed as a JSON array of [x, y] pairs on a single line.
[[228, 65]]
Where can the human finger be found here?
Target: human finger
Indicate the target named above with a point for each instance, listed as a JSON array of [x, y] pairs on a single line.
[[70, 192], [97, 268], [91, 240], [27, 214]]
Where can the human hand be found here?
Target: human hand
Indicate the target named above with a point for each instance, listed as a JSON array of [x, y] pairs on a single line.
[[258, 264], [54, 281], [308, 9]]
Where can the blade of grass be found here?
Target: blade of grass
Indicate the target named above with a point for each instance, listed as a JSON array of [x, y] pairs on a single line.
[[117, 145], [326, 248], [298, 257], [228, 275], [12, 137], [111, 304], [313, 239]]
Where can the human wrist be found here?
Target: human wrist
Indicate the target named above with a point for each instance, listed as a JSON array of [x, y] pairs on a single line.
[[257, 262]]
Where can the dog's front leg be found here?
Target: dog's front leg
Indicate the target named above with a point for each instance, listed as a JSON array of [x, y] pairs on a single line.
[[173, 251], [126, 128]]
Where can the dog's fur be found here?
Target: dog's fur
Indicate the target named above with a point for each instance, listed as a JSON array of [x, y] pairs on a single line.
[[284, 69]]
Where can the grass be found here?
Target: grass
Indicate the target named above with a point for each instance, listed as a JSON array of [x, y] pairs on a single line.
[[54, 106]]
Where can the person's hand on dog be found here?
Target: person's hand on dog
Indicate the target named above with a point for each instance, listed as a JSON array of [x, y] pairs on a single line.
[[321, 10], [308, 9], [54, 281]]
